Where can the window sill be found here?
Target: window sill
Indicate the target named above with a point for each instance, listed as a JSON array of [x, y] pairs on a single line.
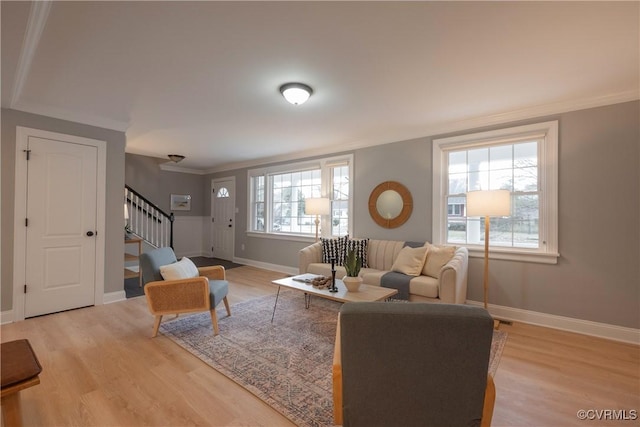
[[522, 256]]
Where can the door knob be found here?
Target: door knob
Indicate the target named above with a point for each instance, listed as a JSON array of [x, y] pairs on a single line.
[[89, 233]]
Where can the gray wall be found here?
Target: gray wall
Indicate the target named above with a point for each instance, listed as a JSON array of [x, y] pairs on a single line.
[[143, 174], [113, 280], [597, 277]]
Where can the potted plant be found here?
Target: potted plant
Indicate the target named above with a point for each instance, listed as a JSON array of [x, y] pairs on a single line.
[[352, 265]]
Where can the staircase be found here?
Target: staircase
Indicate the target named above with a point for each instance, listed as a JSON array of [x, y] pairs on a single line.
[[147, 220]]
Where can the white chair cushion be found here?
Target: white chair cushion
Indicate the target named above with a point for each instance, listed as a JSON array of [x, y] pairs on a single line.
[[183, 269]]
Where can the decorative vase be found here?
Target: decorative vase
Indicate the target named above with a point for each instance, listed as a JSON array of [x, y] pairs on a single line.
[[352, 283]]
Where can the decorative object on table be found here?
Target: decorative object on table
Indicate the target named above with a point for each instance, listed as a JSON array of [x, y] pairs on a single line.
[[488, 204], [321, 282], [352, 265], [318, 282], [180, 202], [317, 206], [333, 287]]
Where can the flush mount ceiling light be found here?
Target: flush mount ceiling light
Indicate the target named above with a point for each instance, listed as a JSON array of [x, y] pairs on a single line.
[[175, 157], [296, 93]]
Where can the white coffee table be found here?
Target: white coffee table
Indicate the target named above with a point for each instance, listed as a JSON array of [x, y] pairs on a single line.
[[364, 294]]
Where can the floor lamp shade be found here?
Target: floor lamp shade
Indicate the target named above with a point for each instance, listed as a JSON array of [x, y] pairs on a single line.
[[317, 206], [489, 203]]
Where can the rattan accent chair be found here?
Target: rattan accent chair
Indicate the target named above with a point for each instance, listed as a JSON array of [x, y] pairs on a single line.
[[202, 293]]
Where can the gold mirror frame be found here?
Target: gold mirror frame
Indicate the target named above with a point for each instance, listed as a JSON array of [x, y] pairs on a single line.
[[407, 204]]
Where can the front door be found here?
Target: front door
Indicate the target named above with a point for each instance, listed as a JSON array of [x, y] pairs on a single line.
[[60, 226], [223, 196]]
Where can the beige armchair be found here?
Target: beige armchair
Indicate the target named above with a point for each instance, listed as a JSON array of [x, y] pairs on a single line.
[[202, 293]]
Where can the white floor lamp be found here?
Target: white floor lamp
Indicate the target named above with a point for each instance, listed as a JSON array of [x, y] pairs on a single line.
[[317, 206], [488, 204]]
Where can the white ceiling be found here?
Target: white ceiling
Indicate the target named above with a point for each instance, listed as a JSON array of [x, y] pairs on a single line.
[[201, 78]]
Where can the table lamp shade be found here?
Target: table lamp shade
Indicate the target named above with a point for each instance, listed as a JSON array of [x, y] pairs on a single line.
[[489, 203], [317, 206]]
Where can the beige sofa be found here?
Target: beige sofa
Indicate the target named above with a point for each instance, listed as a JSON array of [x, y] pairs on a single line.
[[450, 287]]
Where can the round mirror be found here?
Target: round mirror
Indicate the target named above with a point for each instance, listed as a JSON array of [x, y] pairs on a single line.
[[390, 204]]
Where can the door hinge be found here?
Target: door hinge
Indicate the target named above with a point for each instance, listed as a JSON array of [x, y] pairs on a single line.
[[213, 190], [211, 248], [212, 220], [25, 288], [26, 222], [28, 153]]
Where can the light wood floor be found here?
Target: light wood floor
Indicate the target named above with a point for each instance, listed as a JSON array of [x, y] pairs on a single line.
[[101, 368]]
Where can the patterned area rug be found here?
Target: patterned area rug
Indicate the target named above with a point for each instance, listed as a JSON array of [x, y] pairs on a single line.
[[286, 363]]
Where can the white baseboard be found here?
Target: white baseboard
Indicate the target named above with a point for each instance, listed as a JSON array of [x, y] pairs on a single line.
[[189, 254], [585, 327], [110, 297], [273, 267], [6, 317]]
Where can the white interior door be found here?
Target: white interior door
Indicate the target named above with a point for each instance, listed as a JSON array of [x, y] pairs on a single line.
[[223, 202], [61, 228]]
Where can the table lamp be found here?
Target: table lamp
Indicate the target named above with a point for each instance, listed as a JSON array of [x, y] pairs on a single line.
[[317, 206]]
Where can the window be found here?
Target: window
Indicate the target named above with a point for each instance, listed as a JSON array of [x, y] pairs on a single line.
[[278, 194], [522, 160], [340, 201], [222, 193]]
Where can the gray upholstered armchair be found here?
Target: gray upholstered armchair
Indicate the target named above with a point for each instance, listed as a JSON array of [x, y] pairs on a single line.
[[414, 364], [201, 293]]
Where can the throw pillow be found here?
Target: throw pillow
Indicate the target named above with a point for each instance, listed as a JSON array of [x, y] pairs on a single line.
[[410, 260], [361, 248], [437, 257], [183, 269], [335, 248]]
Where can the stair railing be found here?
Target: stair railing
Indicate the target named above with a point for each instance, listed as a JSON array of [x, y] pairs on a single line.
[[147, 220]]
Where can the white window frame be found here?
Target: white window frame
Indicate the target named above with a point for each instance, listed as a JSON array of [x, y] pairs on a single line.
[[547, 132], [325, 165]]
